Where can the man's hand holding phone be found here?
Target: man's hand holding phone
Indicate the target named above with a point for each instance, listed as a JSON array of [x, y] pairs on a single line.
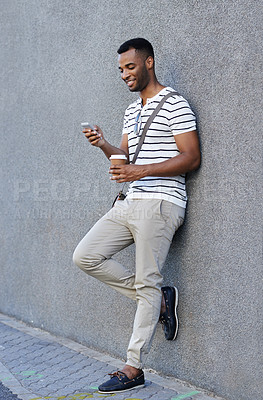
[[93, 133]]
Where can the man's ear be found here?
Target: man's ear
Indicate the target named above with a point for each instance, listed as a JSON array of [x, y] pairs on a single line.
[[149, 62]]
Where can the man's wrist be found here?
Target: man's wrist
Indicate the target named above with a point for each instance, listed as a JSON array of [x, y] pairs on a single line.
[[146, 170], [102, 144]]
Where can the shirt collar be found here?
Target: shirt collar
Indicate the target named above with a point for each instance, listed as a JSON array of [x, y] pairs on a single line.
[[154, 98]]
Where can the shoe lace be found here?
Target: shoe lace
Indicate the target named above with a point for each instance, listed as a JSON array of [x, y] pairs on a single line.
[[119, 374]]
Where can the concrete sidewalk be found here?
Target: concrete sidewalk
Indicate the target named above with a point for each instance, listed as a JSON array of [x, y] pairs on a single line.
[[36, 365]]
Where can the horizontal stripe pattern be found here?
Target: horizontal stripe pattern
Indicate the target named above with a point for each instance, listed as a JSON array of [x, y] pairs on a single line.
[[174, 118]]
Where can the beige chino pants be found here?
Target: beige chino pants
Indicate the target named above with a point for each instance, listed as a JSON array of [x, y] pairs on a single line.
[[150, 224]]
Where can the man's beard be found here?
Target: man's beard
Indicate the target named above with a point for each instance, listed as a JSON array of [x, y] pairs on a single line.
[[141, 82]]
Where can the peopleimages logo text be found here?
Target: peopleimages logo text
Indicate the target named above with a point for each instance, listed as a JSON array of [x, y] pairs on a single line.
[[51, 190]]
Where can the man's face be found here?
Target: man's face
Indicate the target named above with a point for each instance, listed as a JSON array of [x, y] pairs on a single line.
[[134, 72]]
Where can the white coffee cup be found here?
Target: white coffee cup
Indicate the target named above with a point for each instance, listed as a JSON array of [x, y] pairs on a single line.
[[118, 159]]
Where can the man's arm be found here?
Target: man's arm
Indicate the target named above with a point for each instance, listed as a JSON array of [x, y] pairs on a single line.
[[96, 138], [188, 160]]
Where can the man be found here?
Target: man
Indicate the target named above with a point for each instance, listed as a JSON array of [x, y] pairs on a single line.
[[152, 211]]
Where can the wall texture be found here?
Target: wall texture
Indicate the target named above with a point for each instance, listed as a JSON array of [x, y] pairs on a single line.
[[59, 67]]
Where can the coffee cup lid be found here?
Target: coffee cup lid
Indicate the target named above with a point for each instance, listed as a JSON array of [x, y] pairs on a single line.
[[118, 157]]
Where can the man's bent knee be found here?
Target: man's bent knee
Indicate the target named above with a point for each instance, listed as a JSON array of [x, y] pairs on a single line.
[[86, 261]]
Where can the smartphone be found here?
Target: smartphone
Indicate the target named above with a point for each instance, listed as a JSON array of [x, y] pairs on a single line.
[[86, 125]]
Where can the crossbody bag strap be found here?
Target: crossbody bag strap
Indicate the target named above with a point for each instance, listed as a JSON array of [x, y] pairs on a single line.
[[148, 123]]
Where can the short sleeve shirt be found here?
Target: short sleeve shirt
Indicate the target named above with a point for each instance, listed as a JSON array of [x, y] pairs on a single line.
[[174, 118]]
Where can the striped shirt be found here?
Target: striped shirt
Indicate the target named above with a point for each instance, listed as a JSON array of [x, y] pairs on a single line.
[[174, 118]]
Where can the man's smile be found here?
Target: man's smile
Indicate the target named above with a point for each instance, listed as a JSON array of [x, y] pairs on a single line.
[[129, 82]]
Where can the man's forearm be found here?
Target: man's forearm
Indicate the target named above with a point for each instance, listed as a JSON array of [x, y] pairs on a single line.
[[188, 160], [175, 166], [178, 165], [109, 150]]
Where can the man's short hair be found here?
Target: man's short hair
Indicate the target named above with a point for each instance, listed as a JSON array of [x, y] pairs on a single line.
[[139, 44]]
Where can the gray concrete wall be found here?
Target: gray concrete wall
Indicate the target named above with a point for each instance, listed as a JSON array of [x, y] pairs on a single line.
[[59, 67]]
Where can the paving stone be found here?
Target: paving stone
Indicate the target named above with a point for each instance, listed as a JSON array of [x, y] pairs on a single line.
[[6, 394], [37, 362]]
